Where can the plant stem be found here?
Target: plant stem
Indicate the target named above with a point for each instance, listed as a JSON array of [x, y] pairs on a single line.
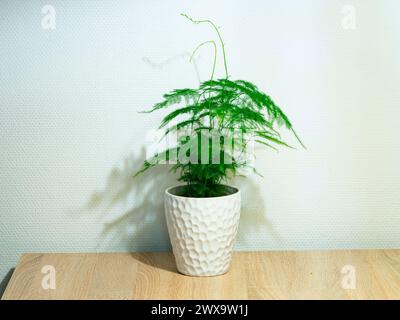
[[219, 36], [215, 54], [298, 139]]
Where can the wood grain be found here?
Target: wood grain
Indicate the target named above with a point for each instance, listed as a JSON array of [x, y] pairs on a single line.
[[253, 275]]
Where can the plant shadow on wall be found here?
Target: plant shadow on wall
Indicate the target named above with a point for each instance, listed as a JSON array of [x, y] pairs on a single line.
[[132, 209]]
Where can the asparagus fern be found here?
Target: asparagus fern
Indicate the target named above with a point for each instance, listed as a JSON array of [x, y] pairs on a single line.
[[215, 112]]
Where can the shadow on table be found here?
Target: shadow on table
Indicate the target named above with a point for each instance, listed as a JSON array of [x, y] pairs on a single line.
[[163, 260], [132, 209], [5, 281]]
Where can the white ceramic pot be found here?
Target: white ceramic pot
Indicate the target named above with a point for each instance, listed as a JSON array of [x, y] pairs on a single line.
[[202, 231]]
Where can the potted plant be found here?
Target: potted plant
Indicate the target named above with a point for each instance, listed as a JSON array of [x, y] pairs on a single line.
[[212, 127]]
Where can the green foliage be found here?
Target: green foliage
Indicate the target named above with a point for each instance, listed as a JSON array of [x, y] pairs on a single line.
[[234, 109]]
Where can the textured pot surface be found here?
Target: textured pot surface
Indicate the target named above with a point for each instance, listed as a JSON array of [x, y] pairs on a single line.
[[202, 231]]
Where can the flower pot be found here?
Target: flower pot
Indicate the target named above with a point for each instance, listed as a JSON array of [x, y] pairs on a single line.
[[202, 230]]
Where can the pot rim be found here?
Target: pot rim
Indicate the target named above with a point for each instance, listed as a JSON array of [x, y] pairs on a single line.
[[236, 193]]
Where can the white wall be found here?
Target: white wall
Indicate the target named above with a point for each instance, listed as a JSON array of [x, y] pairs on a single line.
[[70, 134]]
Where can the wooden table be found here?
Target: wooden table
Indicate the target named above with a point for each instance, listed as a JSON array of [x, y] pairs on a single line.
[[253, 275]]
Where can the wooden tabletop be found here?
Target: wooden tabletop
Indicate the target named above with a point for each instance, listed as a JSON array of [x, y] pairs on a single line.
[[356, 274]]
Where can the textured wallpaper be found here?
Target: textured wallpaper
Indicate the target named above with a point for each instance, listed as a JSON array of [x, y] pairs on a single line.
[[74, 74]]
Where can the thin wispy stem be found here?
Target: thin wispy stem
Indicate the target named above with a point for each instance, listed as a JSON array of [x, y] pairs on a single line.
[[215, 54], [219, 36]]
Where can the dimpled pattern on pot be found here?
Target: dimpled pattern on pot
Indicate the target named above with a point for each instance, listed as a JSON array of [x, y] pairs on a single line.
[[202, 232]]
